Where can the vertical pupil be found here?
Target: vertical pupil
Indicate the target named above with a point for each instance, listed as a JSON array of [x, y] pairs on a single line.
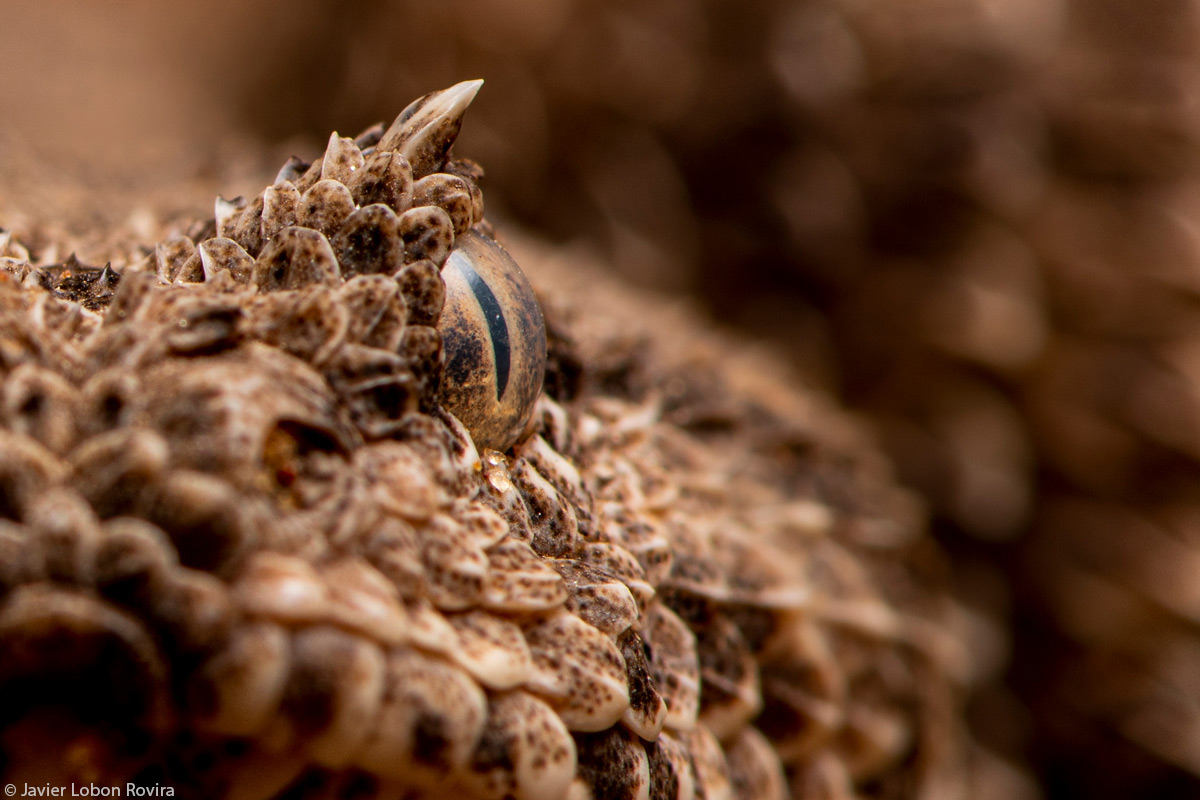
[[497, 327]]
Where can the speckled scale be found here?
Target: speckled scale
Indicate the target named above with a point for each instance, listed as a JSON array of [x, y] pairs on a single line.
[[369, 242], [376, 310], [759, 574], [450, 456], [112, 469], [281, 209], [385, 178], [309, 173], [402, 483], [294, 170], [525, 752], [472, 174], [17, 565], [25, 341], [824, 775], [67, 321], [226, 212], [310, 324], [554, 425], [674, 665], [370, 136], [378, 388], [203, 325], [709, 767], [362, 600], [421, 347], [491, 649], [342, 159], [519, 581], [695, 569], [647, 712], [171, 255], [431, 717], [131, 297], [554, 527], [487, 526], [579, 671], [430, 631], [645, 539], [247, 230], [325, 207], [424, 291], [326, 506], [502, 494], [392, 547], [597, 596], [805, 695], [427, 233], [211, 528], [449, 193], [26, 470], [332, 696], [878, 738], [455, 564], [295, 258], [190, 271], [557, 469], [225, 255], [622, 564], [161, 309], [730, 695], [671, 773], [613, 765]]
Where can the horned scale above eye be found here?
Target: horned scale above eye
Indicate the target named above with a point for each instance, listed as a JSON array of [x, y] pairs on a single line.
[[390, 203]]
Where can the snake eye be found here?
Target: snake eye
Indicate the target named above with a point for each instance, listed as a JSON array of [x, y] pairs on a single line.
[[494, 340]]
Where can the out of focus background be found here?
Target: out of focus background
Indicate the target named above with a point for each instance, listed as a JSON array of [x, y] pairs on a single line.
[[975, 221]]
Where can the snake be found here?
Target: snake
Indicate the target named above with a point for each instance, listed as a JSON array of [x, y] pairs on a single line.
[[323, 496]]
